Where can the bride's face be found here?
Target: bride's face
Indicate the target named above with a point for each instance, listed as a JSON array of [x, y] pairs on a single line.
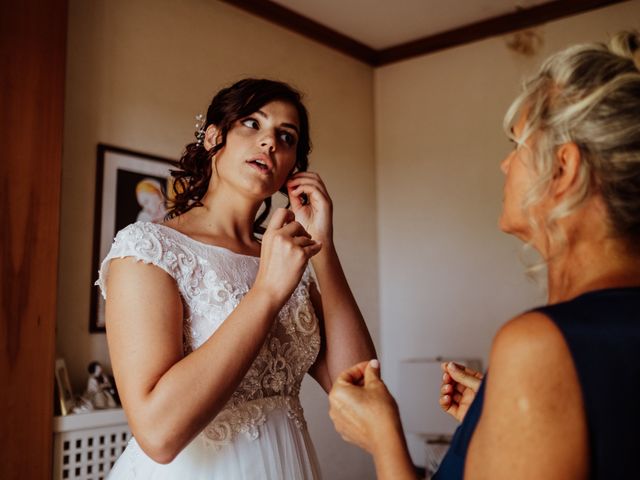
[[260, 151]]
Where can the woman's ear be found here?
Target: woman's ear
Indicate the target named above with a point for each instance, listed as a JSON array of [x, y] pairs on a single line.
[[568, 158], [211, 137]]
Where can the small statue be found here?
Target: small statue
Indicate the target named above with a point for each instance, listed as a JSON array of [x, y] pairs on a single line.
[[100, 391]]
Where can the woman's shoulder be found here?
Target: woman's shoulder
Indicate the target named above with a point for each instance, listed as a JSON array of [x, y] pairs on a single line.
[[136, 232], [528, 336], [531, 358], [150, 238], [151, 243], [532, 406], [529, 326], [528, 353]]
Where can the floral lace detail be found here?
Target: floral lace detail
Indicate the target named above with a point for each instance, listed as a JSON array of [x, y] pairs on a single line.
[[246, 418], [212, 281]]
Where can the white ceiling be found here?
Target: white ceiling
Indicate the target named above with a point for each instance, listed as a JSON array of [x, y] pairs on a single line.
[[383, 23]]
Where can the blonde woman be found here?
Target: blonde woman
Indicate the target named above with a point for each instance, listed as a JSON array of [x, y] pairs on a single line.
[[560, 398]]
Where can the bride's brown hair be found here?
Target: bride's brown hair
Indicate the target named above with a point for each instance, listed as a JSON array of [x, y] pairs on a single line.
[[193, 172]]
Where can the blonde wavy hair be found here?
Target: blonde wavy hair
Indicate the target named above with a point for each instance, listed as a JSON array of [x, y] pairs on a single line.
[[589, 95]]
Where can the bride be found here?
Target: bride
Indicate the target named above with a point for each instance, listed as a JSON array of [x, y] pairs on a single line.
[[210, 328]]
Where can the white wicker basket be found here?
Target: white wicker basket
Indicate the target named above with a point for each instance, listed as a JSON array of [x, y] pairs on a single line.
[[86, 445]]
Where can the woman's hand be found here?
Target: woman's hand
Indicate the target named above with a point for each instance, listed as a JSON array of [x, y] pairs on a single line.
[[316, 213], [362, 409], [459, 387], [286, 249]]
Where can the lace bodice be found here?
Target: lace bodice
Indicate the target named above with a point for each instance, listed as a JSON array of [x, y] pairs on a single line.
[[212, 281]]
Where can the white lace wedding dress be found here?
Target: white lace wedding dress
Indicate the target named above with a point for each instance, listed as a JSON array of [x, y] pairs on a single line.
[[261, 432]]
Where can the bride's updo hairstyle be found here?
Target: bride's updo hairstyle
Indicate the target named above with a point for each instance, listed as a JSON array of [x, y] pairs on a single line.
[[589, 95], [243, 98]]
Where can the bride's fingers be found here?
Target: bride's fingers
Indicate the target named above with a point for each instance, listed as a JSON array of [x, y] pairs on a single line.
[[304, 241], [307, 174], [312, 250], [280, 218], [291, 184], [295, 229], [313, 181], [297, 200], [313, 193]]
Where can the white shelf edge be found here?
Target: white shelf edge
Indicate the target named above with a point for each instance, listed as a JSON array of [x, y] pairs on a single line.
[[88, 420]]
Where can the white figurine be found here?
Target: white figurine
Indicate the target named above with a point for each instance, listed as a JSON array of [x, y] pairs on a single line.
[[100, 391]]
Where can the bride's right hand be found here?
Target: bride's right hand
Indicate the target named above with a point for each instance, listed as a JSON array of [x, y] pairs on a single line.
[[286, 249]]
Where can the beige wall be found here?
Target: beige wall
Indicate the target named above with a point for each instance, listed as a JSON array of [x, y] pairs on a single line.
[[448, 277], [137, 74]]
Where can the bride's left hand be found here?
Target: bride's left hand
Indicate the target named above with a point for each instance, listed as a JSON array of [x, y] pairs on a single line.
[[316, 215]]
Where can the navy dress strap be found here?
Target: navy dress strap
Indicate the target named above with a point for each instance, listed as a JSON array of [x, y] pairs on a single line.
[[602, 331]]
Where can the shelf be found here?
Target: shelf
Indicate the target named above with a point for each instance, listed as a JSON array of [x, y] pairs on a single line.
[[94, 419]]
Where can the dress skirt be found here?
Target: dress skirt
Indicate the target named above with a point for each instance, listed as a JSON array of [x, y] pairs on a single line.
[[282, 450]]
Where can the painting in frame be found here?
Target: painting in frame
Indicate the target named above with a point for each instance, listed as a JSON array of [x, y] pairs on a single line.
[[63, 387], [130, 186]]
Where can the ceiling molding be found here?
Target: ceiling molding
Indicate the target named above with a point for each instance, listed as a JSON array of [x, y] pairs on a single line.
[[309, 28], [511, 22], [524, 18]]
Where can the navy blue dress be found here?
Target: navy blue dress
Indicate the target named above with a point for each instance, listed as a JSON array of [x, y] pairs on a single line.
[[602, 331]]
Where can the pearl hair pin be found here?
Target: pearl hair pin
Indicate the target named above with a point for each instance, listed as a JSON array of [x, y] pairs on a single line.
[[199, 133]]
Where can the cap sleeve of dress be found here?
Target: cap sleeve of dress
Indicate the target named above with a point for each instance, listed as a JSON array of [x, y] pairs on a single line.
[[142, 241]]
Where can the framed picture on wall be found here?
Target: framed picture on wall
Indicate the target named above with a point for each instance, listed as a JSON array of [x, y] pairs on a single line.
[[130, 186], [63, 387]]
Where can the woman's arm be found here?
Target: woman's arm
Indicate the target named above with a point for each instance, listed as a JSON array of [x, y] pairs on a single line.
[[346, 339], [533, 423], [169, 398], [365, 414]]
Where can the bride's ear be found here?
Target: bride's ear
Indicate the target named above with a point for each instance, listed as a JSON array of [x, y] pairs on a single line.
[[211, 137]]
